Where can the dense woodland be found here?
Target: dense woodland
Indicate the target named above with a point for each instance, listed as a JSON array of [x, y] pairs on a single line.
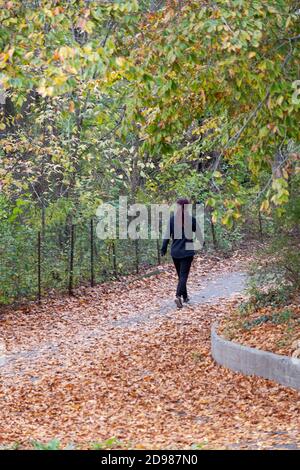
[[152, 100]]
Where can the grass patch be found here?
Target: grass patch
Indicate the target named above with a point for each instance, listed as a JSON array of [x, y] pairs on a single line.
[[111, 443]]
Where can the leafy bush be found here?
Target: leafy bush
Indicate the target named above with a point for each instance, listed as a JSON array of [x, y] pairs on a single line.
[[277, 318], [282, 255], [260, 298]]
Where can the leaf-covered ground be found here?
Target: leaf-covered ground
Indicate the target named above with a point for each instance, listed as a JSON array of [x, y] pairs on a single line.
[[120, 361], [272, 329]]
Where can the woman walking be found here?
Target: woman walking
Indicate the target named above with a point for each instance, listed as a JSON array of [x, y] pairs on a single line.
[[180, 230]]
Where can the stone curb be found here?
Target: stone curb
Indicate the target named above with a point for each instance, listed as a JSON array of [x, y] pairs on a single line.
[[251, 361]]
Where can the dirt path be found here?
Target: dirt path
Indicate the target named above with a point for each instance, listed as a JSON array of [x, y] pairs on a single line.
[[119, 360]]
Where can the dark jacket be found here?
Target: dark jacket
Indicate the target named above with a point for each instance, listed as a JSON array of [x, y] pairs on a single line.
[[179, 240]]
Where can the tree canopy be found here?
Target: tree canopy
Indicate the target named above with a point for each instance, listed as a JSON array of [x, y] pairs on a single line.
[[150, 99]]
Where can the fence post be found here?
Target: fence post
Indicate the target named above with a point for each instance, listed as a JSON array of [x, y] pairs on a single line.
[[136, 244], [39, 268], [114, 259], [92, 253], [260, 225], [213, 232], [158, 251], [72, 238]]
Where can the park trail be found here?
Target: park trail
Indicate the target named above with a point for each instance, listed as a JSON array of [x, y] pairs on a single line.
[[119, 360]]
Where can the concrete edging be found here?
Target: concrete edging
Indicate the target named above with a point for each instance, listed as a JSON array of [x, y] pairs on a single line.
[[251, 361]]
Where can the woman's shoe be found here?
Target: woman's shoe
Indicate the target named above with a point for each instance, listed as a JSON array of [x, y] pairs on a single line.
[[178, 301], [186, 299]]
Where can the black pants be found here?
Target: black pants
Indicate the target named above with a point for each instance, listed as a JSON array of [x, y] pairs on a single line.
[[182, 266]]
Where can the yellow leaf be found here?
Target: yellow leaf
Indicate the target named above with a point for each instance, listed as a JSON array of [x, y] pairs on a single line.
[[280, 100], [214, 218], [42, 90], [285, 174], [288, 22], [262, 66], [140, 447], [120, 61], [60, 79], [264, 206], [46, 91]]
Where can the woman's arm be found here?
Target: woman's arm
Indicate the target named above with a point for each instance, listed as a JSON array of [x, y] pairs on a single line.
[[166, 238]]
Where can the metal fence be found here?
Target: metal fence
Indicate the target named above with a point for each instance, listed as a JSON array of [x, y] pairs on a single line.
[[64, 256], [32, 263]]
